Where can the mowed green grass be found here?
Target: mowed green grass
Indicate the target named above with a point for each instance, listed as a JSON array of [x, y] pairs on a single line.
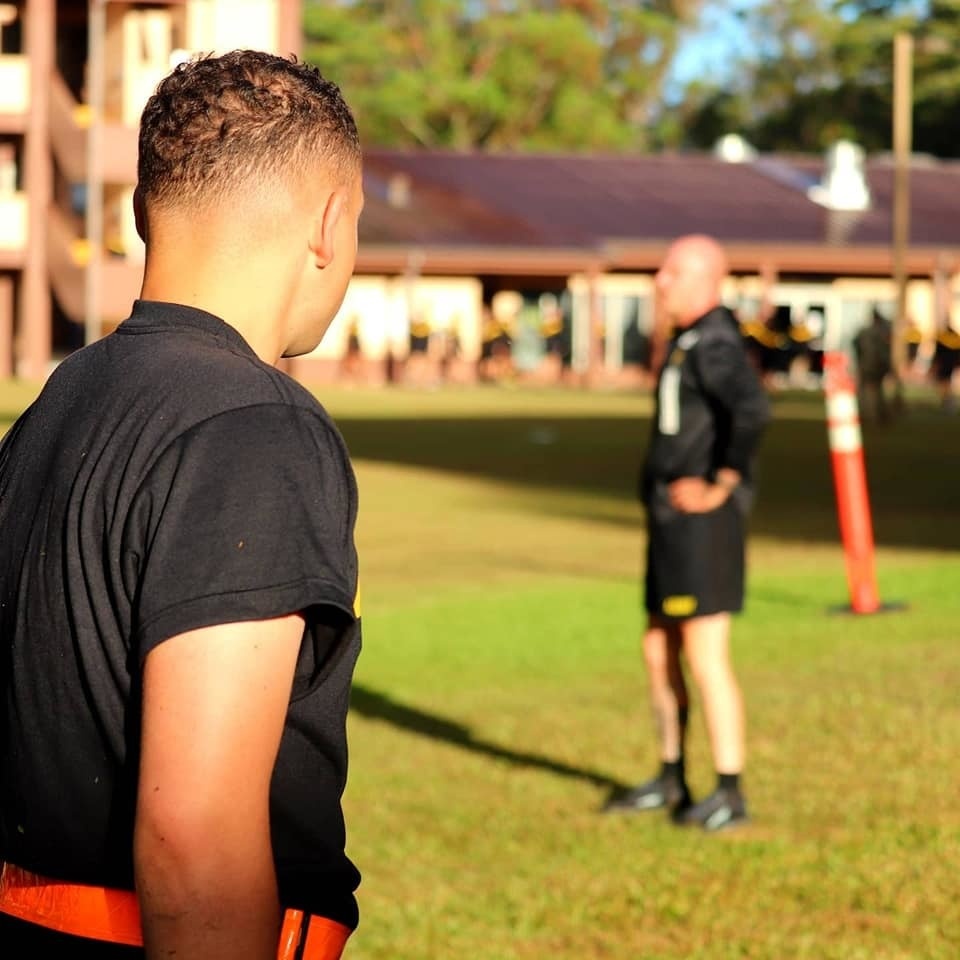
[[500, 694]]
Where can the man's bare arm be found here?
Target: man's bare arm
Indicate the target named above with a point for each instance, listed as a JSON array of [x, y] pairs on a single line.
[[214, 702]]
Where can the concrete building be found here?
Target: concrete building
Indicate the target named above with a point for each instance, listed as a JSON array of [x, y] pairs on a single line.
[[74, 76], [809, 241], [458, 250]]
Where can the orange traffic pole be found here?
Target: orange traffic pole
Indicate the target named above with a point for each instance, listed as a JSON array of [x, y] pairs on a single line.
[[850, 482]]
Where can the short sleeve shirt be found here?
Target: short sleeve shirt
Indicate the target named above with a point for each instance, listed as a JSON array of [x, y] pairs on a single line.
[[166, 479]]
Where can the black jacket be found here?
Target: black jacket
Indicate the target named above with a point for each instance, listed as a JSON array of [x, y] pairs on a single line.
[[711, 407]]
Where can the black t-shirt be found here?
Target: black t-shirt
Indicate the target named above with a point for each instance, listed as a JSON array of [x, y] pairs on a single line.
[[711, 407], [166, 479]]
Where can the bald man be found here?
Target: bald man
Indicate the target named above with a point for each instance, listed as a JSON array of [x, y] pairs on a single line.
[[696, 488]]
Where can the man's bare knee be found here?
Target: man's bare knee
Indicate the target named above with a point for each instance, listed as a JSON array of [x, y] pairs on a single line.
[[706, 644], [661, 643]]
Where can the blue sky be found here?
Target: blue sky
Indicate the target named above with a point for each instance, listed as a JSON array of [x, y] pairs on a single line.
[[707, 51]]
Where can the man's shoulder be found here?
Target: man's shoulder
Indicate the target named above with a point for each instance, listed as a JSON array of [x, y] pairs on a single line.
[[163, 397], [208, 359], [716, 333], [269, 412], [719, 325], [211, 379]]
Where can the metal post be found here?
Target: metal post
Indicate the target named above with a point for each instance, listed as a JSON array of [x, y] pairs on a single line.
[[34, 338], [96, 98], [902, 146], [597, 321]]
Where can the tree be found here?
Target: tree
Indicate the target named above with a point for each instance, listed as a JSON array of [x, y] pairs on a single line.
[[593, 74], [823, 71], [499, 74], [937, 79]]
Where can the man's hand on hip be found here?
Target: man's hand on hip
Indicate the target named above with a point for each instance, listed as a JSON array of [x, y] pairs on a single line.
[[697, 495]]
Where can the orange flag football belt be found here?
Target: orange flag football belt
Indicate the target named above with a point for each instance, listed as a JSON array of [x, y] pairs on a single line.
[[102, 913]]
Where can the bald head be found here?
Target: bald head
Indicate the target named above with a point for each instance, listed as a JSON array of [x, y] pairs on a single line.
[[690, 278]]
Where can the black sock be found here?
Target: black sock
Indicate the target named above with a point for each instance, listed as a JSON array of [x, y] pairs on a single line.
[[672, 769], [728, 781]]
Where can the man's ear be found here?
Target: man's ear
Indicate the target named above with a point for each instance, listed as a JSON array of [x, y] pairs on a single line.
[[139, 214], [324, 227]]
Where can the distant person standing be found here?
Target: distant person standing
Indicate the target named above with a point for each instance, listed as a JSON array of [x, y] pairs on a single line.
[[418, 370], [499, 322], [913, 338], [946, 359], [871, 346], [696, 487], [554, 337]]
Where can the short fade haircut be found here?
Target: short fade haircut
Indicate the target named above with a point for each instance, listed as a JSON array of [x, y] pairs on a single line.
[[218, 123]]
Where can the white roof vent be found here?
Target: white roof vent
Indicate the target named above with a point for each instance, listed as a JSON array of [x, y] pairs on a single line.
[[732, 148], [844, 184], [399, 190]]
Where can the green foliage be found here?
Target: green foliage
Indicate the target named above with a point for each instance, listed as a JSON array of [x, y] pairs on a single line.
[[821, 71], [498, 76], [937, 79], [15, 396], [592, 74]]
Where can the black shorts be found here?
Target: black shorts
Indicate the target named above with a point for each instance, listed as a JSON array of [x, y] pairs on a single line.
[[695, 561]]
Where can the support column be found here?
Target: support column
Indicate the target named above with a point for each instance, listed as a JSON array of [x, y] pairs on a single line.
[[6, 326], [35, 340], [595, 357], [902, 148], [93, 218]]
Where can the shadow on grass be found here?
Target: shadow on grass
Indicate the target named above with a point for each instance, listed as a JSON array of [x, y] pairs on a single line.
[[378, 706], [912, 468]]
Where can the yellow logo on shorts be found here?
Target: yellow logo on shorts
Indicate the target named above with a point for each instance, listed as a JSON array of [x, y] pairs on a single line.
[[356, 603], [683, 605]]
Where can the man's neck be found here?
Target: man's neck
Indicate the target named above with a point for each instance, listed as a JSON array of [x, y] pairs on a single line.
[[250, 308]]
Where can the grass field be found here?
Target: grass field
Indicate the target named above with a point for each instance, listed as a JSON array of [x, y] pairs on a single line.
[[500, 694]]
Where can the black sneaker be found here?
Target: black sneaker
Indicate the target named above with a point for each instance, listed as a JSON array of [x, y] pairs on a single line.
[[722, 810], [655, 794]]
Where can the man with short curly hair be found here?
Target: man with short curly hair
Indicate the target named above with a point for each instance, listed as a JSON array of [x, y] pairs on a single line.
[[178, 579]]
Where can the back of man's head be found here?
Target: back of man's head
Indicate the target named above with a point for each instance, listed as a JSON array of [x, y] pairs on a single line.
[[218, 127]]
